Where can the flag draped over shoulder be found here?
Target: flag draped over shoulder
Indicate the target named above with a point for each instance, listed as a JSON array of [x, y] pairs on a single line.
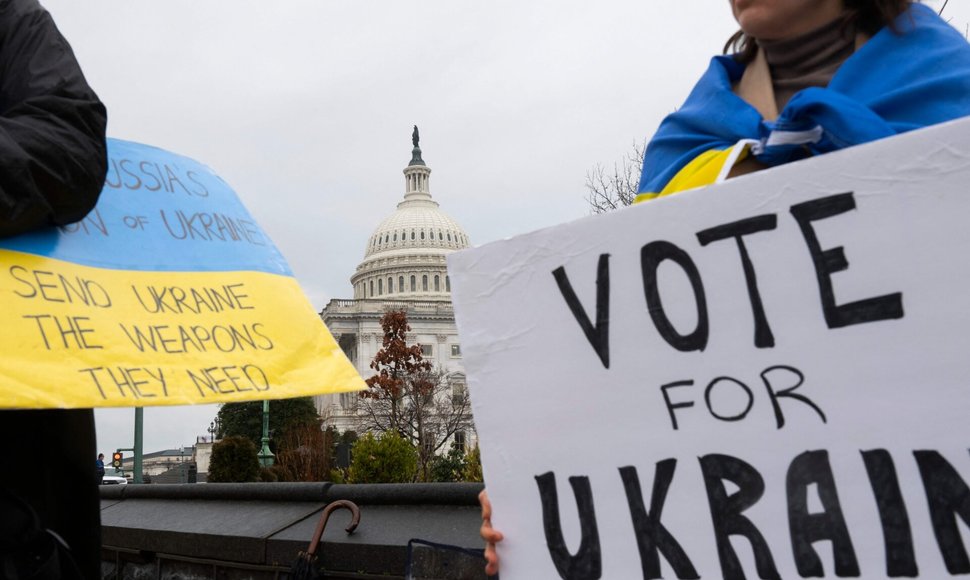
[[167, 293], [915, 76]]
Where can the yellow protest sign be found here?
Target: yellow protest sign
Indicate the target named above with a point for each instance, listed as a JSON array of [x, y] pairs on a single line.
[[168, 293]]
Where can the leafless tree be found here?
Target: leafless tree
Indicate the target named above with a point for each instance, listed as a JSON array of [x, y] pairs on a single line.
[[966, 28], [306, 453], [606, 190]]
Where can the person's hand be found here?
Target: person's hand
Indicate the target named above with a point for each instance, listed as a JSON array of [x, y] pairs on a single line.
[[490, 535]]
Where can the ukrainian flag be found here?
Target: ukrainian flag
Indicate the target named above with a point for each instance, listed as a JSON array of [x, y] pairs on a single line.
[[913, 74], [167, 293]]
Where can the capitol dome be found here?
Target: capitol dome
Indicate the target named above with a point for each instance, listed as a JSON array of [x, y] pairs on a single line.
[[405, 256]]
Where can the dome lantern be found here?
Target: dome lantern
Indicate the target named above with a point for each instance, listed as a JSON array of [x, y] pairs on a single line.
[[405, 256]]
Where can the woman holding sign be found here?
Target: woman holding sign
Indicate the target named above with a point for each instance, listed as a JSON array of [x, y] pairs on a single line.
[[810, 77], [806, 77]]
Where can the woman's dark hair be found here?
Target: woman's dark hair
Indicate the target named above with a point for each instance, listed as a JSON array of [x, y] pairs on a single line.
[[868, 17]]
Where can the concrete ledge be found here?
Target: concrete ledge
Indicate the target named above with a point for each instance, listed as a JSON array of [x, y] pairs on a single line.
[[250, 526]]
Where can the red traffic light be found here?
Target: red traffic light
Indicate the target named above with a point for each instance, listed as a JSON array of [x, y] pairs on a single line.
[[116, 459]]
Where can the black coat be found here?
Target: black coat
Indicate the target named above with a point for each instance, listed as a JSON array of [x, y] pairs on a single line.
[[53, 160], [53, 156]]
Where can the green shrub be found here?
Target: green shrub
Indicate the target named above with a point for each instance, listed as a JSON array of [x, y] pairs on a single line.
[[337, 475], [473, 465], [233, 460], [448, 467], [386, 459]]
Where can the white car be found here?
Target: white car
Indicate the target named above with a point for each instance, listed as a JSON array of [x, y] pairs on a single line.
[[113, 476]]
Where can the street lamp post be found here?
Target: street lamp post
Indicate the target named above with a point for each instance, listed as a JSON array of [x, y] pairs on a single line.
[[138, 476], [212, 432], [265, 455]]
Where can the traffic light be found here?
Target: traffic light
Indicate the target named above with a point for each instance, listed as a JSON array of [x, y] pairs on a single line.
[[116, 459]]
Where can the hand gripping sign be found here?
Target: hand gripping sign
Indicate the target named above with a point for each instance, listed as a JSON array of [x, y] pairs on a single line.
[[766, 378], [167, 293]]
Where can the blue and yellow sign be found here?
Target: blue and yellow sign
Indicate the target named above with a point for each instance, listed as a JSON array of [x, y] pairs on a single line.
[[167, 293]]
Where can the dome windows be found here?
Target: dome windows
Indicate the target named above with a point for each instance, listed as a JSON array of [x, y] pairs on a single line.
[[412, 240]]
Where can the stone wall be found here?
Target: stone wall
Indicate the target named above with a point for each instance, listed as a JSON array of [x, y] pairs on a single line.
[[257, 530]]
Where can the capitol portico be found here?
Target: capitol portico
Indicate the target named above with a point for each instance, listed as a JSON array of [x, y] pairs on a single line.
[[403, 268]]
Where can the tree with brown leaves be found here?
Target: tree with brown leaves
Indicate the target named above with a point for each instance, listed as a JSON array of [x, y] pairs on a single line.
[[409, 396]]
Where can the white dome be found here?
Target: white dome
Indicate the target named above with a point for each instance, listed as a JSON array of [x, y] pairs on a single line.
[[405, 256], [416, 225]]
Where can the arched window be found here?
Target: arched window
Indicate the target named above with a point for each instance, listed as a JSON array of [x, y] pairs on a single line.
[[371, 288], [400, 284], [395, 236], [422, 234], [447, 284], [414, 285], [437, 284], [380, 287], [424, 282], [449, 236], [440, 237], [390, 285], [412, 234]]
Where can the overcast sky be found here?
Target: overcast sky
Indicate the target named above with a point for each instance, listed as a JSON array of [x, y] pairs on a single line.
[[305, 108]]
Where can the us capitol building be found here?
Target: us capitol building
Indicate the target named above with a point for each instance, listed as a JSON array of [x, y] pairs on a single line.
[[403, 268]]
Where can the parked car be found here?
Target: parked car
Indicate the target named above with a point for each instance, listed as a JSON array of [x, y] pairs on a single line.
[[113, 476]]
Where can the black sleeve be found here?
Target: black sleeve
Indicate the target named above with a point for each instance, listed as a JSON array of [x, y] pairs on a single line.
[[53, 155]]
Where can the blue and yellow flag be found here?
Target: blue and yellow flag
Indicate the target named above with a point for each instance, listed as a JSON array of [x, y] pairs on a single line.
[[167, 293], [910, 75]]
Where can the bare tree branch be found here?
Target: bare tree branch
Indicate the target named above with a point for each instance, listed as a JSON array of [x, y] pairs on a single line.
[[606, 191]]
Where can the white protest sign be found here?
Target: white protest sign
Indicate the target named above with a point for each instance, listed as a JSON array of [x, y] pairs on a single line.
[[765, 378]]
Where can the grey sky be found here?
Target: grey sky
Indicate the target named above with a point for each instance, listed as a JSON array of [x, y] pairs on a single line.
[[305, 108]]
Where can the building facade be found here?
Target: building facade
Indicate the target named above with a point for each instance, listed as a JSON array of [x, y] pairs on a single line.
[[403, 268]]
